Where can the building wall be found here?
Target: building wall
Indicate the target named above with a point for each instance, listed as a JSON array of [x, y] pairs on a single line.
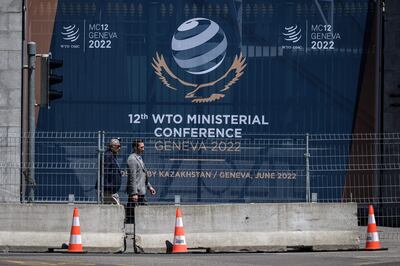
[[10, 98], [391, 66]]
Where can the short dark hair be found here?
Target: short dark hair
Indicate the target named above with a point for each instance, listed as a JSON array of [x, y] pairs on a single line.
[[136, 142]]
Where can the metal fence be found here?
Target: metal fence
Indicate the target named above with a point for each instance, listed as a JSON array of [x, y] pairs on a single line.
[[362, 168]]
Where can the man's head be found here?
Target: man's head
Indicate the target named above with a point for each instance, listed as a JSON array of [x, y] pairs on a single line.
[[138, 146], [114, 145]]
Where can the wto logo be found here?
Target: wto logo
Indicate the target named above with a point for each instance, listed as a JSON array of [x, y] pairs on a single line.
[[199, 47], [292, 34], [70, 33]]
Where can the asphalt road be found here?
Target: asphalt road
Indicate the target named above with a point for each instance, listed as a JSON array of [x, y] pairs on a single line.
[[390, 257]]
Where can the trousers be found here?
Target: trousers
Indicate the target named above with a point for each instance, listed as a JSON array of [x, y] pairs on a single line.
[[130, 208]]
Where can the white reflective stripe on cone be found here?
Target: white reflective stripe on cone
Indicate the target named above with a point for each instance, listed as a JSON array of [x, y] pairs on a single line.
[[76, 221], [179, 222], [75, 239], [371, 219], [373, 237], [180, 240]]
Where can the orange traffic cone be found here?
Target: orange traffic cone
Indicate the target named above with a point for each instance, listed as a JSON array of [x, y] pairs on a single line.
[[372, 232], [75, 241], [179, 236]]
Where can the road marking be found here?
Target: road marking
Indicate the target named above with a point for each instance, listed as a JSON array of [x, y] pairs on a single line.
[[46, 263], [16, 262], [30, 262]]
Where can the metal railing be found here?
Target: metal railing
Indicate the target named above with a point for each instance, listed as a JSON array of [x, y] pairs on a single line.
[[362, 168]]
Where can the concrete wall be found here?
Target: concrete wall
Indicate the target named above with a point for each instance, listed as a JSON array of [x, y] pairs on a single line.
[[223, 227], [10, 98], [33, 227], [251, 227]]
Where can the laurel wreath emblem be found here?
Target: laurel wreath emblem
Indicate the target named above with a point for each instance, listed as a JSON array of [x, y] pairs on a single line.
[[214, 89]]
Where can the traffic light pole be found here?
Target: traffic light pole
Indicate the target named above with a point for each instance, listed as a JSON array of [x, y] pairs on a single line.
[[30, 184]]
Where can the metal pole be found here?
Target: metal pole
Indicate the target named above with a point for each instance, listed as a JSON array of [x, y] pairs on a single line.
[[32, 121], [102, 166], [307, 157], [99, 163]]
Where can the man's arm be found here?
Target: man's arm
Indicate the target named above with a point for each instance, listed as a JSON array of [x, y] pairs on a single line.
[[132, 175], [149, 186], [107, 169]]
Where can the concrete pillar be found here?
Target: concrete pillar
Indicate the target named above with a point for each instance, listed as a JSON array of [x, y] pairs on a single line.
[[10, 98]]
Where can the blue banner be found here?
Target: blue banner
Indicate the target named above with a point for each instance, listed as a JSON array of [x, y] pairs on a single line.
[[202, 81]]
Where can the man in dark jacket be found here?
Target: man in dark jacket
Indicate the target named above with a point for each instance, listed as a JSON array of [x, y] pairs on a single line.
[[112, 173]]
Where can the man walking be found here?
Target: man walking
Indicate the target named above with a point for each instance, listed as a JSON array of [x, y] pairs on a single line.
[[137, 181], [112, 173]]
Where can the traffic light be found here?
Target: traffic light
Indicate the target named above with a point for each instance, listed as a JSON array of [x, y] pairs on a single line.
[[48, 79]]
